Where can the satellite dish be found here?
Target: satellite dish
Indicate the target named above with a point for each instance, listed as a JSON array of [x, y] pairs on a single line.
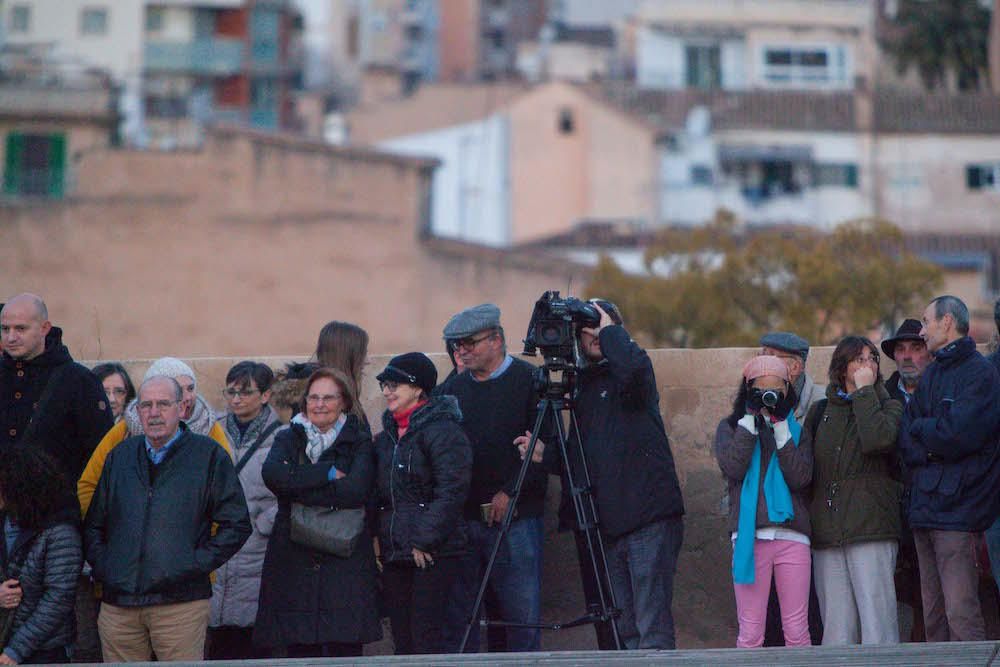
[[699, 122]]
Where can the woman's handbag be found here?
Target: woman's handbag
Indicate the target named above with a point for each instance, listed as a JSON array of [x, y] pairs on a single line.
[[326, 529]]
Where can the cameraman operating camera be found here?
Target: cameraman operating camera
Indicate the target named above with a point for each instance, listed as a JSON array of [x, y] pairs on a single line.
[[634, 481]]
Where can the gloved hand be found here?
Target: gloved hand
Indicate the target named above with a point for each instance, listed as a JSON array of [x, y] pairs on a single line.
[[782, 434], [749, 423]]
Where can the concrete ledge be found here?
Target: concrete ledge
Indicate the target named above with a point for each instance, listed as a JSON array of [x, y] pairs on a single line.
[[913, 655]]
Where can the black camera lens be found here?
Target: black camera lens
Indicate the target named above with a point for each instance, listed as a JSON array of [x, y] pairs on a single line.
[[550, 334], [770, 398]]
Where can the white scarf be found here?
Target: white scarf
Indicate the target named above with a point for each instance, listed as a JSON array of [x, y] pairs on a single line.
[[318, 442]]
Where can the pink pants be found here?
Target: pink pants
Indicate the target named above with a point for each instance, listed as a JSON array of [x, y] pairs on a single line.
[[792, 565]]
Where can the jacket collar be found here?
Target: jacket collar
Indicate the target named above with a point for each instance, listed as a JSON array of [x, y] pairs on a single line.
[[55, 352], [438, 408], [955, 351]]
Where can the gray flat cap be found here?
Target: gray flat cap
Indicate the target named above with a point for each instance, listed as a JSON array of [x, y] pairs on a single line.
[[472, 320], [787, 342]]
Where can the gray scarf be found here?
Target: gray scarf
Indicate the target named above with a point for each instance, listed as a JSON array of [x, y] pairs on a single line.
[[318, 442], [253, 430], [200, 422]]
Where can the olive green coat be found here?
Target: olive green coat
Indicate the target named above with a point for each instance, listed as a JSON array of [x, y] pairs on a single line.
[[855, 498]]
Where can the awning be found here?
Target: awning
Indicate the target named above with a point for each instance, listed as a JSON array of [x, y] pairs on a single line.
[[759, 153]]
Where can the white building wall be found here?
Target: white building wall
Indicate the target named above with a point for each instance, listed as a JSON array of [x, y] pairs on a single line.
[[659, 60], [471, 195]]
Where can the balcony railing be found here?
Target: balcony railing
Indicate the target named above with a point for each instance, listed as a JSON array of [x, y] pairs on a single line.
[[203, 56]]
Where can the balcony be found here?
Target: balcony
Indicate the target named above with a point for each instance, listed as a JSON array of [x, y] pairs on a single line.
[[264, 118], [218, 57]]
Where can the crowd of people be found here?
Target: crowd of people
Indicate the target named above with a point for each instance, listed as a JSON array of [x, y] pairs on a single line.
[[138, 523]]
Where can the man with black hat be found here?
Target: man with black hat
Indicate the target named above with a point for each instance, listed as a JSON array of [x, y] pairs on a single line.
[[794, 351], [910, 353], [498, 402]]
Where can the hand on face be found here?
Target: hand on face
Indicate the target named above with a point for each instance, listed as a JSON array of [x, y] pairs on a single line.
[[864, 377]]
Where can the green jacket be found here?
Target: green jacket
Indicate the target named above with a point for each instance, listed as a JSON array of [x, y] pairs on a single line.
[[855, 498]]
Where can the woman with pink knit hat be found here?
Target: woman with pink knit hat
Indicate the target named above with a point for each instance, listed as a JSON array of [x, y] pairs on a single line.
[[767, 460]]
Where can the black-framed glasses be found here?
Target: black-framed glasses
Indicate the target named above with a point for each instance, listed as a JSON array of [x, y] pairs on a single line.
[[230, 394], [862, 359], [470, 342], [387, 384]]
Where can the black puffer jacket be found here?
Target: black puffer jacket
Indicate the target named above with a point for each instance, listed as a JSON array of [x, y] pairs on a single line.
[[423, 479], [72, 422], [148, 530], [628, 454], [46, 563]]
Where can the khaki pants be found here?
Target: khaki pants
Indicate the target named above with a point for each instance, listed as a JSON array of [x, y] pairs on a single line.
[[173, 631]]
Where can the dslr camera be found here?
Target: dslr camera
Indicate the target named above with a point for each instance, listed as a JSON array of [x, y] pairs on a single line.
[[554, 329]]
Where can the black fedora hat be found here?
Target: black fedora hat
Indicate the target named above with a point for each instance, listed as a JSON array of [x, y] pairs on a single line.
[[908, 330]]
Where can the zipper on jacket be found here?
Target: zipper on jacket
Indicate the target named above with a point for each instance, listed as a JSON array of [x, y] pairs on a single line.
[[142, 545], [392, 493]]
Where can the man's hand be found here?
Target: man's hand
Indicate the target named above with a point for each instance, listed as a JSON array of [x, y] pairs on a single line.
[[500, 503], [10, 594], [422, 558], [522, 442], [605, 321], [6, 659], [864, 377]]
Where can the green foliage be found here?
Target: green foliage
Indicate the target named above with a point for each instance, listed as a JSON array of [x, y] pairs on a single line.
[[725, 289], [941, 36]]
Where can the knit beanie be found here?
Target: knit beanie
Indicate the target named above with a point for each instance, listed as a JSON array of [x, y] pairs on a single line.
[[172, 367], [765, 364]]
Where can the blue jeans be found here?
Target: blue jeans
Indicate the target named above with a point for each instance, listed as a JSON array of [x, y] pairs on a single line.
[[515, 585], [641, 566]]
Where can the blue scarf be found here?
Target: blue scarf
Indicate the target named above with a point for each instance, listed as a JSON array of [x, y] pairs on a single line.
[[776, 495]]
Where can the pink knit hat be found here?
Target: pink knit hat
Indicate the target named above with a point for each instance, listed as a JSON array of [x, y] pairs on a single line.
[[765, 364]]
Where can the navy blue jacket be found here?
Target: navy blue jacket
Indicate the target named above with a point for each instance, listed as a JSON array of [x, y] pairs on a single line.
[[950, 444], [631, 467]]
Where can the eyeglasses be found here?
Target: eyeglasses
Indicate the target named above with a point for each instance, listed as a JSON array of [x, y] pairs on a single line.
[[387, 384], [322, 398], [117, 391], [230, 394], [470, 342], [862, 359], [146, 406]]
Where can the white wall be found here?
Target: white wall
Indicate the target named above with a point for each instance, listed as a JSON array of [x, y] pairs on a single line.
[[471, 194], [659, 60]]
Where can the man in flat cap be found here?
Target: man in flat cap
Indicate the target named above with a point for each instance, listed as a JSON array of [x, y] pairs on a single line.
[[498, 402], [794, 351], [911, 355]]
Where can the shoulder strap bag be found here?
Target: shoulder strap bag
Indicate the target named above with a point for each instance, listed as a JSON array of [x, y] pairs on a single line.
[[275, 425], [326, 529]]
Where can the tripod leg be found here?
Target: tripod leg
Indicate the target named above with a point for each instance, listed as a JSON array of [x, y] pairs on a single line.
[[586, 516], [544, 406]]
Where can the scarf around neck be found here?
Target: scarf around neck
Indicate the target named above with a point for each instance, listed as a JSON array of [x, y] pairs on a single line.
[[776, 495], [317, 441], [249, 435]]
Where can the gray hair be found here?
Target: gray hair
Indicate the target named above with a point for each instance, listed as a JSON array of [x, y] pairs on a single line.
[[952, 305], [178, 392]]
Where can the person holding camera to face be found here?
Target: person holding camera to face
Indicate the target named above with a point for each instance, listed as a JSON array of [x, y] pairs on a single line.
[[634, 482], [766, 457]]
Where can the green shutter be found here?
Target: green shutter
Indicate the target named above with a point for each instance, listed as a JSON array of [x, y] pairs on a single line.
[[13, 164], [973, 177], [851, 175], [57, 165]]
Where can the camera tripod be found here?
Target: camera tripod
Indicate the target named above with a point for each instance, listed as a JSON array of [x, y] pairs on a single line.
[[554, 399]]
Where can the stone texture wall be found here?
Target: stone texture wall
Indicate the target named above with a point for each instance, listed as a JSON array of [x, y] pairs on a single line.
[[696, 390]]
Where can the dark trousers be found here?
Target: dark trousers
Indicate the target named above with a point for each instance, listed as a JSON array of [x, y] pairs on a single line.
[[641, 566], [229, 642], [949, 585], [326, 650], [51, 656], [87, 647], [415, 599]]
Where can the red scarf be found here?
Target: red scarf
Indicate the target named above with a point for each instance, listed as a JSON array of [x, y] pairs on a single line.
[[403, 418]]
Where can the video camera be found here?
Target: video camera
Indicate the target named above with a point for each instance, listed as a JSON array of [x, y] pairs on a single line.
[[554, 329]]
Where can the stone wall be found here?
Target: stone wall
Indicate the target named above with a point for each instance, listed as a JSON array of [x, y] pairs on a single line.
[[696, 389]]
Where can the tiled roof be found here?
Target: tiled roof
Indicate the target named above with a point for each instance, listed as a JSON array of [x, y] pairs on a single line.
[[915, 113]]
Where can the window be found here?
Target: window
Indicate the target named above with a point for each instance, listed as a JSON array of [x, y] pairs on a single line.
[[264, 34], [703, 66], [20, 18], [983, 176], [566, 121], [816, 66], [701, 174], [93, 21], [35, 165], [154, 19], [842, 175]]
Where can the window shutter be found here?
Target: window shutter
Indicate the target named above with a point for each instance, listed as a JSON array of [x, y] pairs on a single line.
[[13, 164], [973, 177], [57, 165]]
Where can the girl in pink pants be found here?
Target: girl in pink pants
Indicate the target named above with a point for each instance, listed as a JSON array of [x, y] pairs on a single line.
[[766, 457]]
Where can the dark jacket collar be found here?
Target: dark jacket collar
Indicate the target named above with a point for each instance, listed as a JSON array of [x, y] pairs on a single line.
[[955, 351], [55, 352], [437, 409]]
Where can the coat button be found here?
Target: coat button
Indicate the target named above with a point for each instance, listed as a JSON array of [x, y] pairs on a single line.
[[13, 432], [20, 374], [17, 394], [316, 567]]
